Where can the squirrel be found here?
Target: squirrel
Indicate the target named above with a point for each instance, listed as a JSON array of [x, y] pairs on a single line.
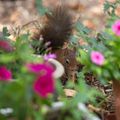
[[55, 33], [56, 30]]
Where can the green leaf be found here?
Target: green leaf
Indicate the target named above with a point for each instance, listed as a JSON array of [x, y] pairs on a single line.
[[5, 32], [74, 39], [81, 28], [6, 58], [42, 10], [83, 57]]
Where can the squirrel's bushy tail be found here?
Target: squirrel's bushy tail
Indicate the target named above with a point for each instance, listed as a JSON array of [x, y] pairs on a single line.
[[57, 28]]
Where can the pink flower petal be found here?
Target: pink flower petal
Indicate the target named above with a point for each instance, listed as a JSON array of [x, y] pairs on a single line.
[[116, 27], [97, 58], [5, 74], [37, 67], [44, 85], [47, 57], [5, 45]]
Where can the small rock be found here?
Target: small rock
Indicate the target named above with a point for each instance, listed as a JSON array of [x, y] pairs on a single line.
[[69, 92]]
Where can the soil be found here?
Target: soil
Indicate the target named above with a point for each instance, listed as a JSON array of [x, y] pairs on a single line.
[[106, 110]]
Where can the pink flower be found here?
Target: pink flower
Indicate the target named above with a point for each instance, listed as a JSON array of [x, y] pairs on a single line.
[[5, 74], [97, 57], [44, 84], [46, 57], [5, 45], [37, 67], [116, 27]]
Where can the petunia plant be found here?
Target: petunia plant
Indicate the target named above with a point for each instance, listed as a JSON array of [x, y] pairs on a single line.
[[104, 61], [44, 83], [26, 80], [5, 74]]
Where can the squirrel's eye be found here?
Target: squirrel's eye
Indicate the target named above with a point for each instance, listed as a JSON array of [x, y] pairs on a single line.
[[67, 61]]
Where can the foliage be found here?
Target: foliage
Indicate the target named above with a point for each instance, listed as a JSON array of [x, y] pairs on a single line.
[[106, 43], [42, 10], [109, 7], [20, 97]]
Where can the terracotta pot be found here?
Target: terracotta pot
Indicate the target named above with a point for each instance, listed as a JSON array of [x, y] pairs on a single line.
[[116, 91]]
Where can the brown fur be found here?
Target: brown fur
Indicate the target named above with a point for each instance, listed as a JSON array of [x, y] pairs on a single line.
[[68, 58]]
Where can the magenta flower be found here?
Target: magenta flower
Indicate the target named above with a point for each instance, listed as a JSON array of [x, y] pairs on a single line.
[[37, 67], [6, 46], [47, 57], [116, 27], [5, 74], [44, 84], [97, 58]]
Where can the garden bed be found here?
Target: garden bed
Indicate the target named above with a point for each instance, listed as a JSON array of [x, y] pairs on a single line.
[[90, 92]]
